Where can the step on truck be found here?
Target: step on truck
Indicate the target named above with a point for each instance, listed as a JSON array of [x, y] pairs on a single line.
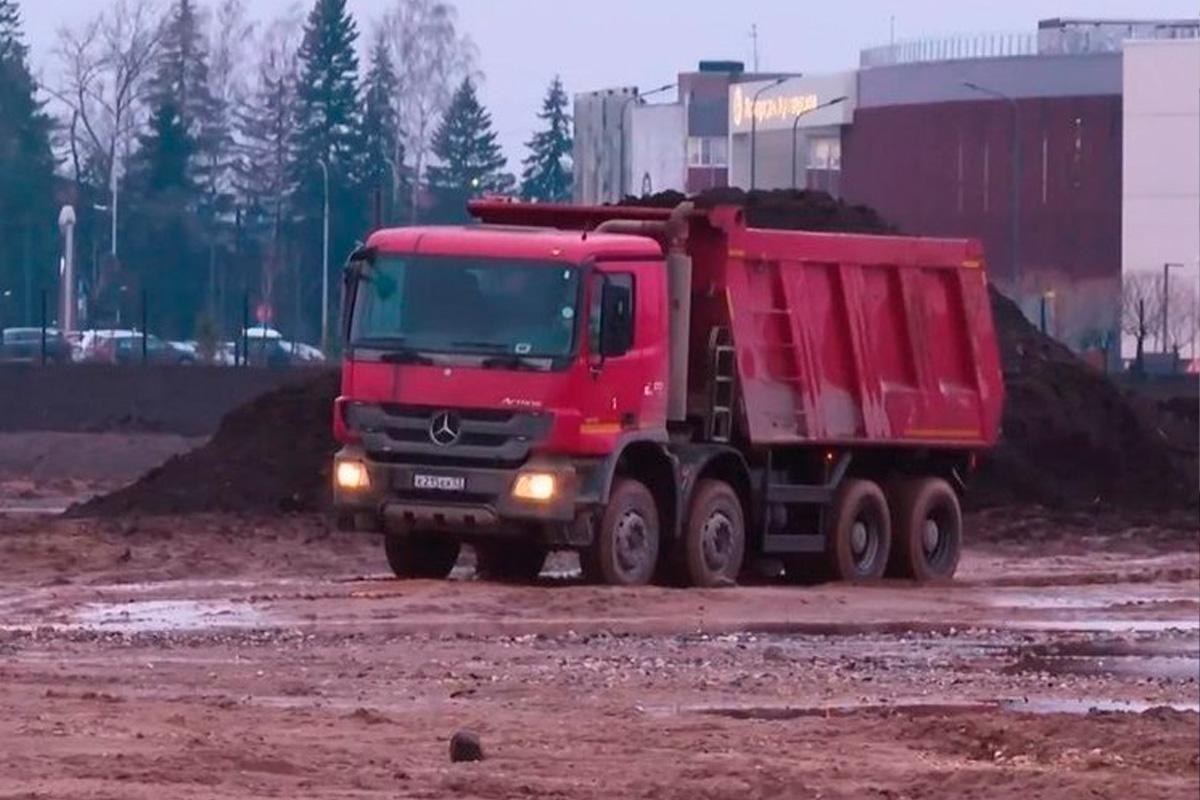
[[670, 392]]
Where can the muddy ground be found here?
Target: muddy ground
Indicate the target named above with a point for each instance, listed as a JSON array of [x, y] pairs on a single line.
[[223, 657]]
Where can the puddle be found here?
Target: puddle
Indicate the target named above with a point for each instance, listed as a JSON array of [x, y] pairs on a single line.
[[1036, 705], [141, 616], [1169, 659]]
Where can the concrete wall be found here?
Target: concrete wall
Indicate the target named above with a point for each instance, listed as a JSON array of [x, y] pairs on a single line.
[[657, 146], [1161, 186], [189, 401], [597, 151]]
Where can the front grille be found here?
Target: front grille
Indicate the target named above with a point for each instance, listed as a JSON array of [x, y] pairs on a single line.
[[400, 434]]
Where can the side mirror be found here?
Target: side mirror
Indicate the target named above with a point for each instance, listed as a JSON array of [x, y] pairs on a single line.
[[616, 320]]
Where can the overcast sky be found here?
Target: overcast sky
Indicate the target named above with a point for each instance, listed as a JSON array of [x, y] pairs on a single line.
[[524, 43]]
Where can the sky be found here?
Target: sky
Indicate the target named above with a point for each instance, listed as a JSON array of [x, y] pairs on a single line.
[[523, 44]]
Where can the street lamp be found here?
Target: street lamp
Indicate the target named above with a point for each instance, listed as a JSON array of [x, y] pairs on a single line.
[[796, 125], [1016, 178], [1166, 300], [325, 262], [754, 129], [666, 87]]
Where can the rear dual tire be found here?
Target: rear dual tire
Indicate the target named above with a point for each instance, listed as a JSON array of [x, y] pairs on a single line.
[[927, 520], [509, 562]]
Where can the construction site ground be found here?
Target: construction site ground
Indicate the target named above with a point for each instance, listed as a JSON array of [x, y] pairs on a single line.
[[231, 657]]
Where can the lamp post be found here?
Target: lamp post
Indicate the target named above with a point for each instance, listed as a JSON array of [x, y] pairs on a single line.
[[796, 125], [754, 129], [1166, 301], [1015, 234], [66, 223], [666, 87], [325, 262]]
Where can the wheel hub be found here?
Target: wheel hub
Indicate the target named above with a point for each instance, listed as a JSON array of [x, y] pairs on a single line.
[[864, 543], [630, 541], [931, 536], [716, 539]]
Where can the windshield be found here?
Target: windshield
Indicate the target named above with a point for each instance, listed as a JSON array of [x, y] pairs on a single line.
[[480, 306]]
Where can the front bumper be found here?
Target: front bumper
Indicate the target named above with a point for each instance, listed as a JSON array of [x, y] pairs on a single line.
[[485, 505]]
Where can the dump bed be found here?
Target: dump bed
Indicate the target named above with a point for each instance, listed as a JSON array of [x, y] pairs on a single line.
[[848, 337], [838, 338]]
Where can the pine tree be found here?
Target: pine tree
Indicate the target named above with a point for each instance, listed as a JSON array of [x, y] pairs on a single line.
[[162, 192], [471, 162], [27, 212], [327, 131], [380, 129], [181, 75], [265, 123], [547, 174]]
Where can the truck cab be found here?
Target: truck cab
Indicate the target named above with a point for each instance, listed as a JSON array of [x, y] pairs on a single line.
[[489, 373]]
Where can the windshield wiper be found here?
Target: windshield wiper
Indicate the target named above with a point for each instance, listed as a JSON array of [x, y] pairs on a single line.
[[510, 362], [393, 350]]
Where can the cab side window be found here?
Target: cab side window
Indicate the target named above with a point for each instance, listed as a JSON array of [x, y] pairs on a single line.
[[624, 279]]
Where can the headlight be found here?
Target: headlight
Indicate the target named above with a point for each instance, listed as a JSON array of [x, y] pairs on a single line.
[[352, 475], [539, 486]]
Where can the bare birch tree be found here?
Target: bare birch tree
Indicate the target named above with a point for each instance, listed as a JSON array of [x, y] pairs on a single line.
[[432, 57], [104, 63]]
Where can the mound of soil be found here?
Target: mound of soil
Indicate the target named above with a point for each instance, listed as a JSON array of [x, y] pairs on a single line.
[[272, 454], [1072, 438]]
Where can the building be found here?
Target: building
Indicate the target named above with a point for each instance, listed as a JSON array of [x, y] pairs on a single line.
[[936, 133], [625, 144], [790, 131], [1160, 206]]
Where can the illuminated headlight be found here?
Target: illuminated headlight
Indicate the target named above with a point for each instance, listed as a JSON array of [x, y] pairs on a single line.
[[540, 486], [352, 475]]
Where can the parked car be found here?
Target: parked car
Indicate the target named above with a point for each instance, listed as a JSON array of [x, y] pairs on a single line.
[[25, 344], [126, 348]]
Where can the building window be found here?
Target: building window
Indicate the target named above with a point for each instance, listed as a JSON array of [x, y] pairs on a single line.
[[825, 152], [708, 151]]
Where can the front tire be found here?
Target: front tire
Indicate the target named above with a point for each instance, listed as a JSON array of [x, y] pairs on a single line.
[[927, 521], [859, 534], [420, 555], [509, 562], [625, 550], [714, 542]]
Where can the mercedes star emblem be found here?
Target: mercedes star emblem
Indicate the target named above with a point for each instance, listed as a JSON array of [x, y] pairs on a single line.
[[445, 428]]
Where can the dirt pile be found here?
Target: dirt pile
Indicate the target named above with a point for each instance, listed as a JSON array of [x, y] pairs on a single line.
[[272, 454], [1072, 438], [784, 209]]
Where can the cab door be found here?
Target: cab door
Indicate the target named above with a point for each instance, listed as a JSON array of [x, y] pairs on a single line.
[[629, 389]]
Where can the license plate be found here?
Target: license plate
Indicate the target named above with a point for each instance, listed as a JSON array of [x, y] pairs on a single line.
[[440, 483]]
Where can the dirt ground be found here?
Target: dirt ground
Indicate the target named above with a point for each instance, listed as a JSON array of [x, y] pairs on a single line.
[[42, 471], [222, 657]]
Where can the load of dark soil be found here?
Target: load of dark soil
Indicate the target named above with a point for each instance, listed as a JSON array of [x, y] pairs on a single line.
[[270, 455], [783, 209]]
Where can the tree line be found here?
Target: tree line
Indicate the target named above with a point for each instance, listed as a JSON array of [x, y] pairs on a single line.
[[199, 147]]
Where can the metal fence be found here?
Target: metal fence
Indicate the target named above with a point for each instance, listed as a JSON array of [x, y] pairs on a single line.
[[951, 48], [44, 343]]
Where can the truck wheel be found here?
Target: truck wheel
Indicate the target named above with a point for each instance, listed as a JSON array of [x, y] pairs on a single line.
[[509, 562], [420, 555], [625, 550], [859, 535], [927, 521], [714, 541]]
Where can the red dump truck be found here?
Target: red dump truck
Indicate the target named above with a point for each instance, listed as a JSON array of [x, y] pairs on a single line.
[[669, 392]]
